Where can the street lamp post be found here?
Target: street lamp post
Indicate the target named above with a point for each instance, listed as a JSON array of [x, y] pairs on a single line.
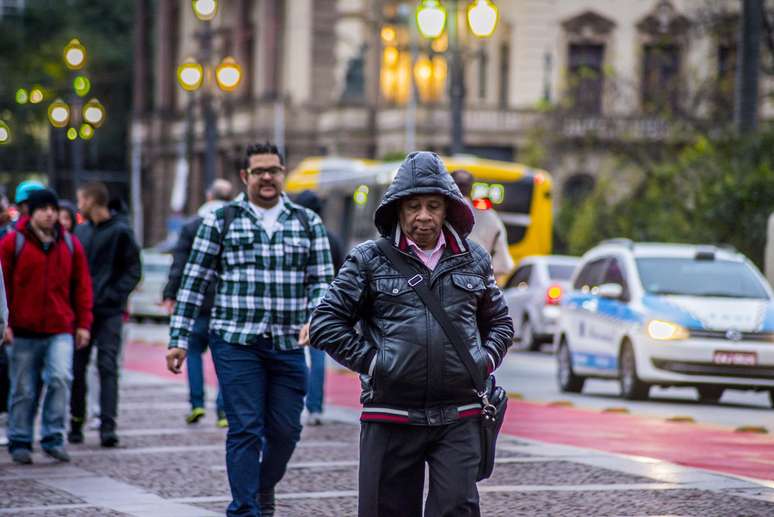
[[482, 16], [210, 122], [191, 76], [75, 60], [457, 87]]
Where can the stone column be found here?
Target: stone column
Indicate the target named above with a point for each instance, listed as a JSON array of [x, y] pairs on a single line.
[[140, 77], [164, 65]]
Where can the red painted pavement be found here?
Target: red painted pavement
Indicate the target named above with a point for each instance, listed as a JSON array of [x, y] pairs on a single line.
[[151, 358], [692, 445]]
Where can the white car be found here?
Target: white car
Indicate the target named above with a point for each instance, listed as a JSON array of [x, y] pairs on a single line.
[[667, 315], [533, 293], [145, 300]]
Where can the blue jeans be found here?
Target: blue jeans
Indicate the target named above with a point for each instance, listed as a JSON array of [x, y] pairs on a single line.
[[263, 395], [314, 399], [30, 361], [197, 346]]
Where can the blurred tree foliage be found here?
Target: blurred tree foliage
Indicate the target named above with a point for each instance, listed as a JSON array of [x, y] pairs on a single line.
[[718, 191], [700, 182], [32, 42]]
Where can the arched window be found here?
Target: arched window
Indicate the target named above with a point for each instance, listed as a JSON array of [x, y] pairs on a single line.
[[587, 38], [577, 187], [662, 33]]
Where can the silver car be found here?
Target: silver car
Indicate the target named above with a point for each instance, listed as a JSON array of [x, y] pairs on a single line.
[[533, 293], [145, 300]]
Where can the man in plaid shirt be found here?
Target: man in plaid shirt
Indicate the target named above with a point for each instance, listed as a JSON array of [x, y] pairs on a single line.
[[272, 265]]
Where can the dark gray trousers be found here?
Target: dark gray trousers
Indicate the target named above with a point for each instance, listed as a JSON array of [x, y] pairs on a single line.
[[392, 469], [106, 336]]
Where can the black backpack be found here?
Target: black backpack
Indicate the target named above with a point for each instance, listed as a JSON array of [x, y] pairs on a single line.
[[230, 213]]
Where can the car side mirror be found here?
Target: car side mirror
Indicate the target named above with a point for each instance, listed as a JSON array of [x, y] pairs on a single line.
[[612, 291]]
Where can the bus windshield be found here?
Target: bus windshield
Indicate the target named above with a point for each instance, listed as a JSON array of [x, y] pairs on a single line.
[[515, 208]]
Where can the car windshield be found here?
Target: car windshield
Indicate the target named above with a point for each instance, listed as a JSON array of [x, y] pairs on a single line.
[[689, 277], [560, 271]]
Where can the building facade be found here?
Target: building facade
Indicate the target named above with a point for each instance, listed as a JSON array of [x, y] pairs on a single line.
[[354, 78]]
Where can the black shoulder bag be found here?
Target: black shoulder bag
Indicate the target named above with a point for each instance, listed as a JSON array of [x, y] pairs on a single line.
[[494, 399]]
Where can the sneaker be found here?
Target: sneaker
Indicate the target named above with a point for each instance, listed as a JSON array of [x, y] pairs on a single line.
[[3, 441], [95, 423], [58, 453], [22, 456], [195, 415], [76, 432], [222, 421], [109, 439], [314, 419], [267, 503]]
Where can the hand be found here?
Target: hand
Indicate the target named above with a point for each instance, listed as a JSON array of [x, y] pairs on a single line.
[[175, 360], [8, 337], [82, 338], [303, 335], [169, 305]]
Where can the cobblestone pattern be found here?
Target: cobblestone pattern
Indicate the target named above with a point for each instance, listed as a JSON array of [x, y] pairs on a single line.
[[323, 480], [558, 473], [137, 418], [200, 472], [91, 511], [345, 453], [16, 493], [173, 474], [197, 437], [698, 503], [333, 506]]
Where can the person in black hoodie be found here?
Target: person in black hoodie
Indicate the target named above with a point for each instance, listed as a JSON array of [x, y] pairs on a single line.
[[114, 261], [218, 195], [420, 404]]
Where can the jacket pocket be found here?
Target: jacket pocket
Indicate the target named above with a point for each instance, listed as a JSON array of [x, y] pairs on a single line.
[[239, 249], [393, 290], [468, 282]]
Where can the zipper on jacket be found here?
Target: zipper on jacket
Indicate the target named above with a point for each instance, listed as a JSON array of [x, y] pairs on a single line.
[[45, 284], [425, 271]]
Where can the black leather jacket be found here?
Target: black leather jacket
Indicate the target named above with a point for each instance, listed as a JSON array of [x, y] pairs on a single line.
[[416, 367]]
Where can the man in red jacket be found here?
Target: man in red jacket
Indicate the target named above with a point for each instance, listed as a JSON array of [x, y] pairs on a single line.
[[50, 298]]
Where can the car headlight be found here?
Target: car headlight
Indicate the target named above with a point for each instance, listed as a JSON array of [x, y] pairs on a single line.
[[666, 330]]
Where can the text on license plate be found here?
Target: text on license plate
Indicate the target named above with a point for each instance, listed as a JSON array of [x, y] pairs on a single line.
[[735, 358]]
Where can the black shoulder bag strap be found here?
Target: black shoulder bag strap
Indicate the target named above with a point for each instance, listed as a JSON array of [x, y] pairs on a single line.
[[492, 411], [229, 214], [420, 286], [304, 220]]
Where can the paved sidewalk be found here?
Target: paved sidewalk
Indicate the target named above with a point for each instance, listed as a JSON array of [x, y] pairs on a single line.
[[165, 468]]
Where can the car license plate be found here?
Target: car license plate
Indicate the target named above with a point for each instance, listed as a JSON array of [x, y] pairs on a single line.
[[735, 358]]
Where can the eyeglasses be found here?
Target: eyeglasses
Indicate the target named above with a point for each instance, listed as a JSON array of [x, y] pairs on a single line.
[[260, 171]]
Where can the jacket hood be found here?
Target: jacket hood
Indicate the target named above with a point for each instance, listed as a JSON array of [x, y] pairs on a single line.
[[423, 172]]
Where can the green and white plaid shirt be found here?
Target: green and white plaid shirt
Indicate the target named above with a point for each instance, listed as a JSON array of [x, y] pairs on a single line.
[[265, 285]]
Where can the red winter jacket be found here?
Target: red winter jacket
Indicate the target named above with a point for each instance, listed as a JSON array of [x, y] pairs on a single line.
[[48, 292]]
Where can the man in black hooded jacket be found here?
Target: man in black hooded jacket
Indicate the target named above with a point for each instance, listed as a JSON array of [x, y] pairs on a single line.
[[114, 263], [420, 405]]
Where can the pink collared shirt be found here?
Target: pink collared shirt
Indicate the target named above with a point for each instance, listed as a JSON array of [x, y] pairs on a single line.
[[429, 258]]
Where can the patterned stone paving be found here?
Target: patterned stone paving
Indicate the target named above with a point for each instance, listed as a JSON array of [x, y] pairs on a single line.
[[167, 469]]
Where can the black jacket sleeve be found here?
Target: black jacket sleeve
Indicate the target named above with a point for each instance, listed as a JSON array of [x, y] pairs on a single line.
[[333, 323], [180, 257], [494, 322], [128, 267]]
